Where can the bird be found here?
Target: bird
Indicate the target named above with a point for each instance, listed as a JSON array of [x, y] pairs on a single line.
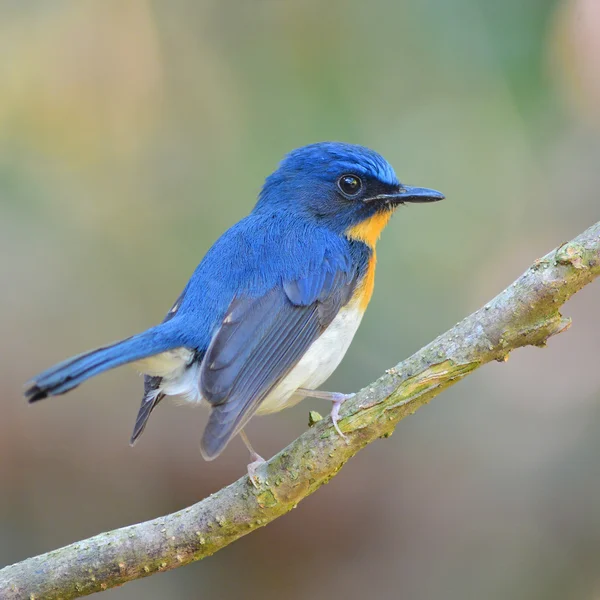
[[272, 308]]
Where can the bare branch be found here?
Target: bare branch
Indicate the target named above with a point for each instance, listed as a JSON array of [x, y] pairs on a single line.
[[526, 313]]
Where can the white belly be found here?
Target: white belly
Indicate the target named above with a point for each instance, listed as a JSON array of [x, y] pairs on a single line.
[[319, 362], [179, 376]]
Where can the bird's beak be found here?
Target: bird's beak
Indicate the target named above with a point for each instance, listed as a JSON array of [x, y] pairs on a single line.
[[406, 193], [417, 194]]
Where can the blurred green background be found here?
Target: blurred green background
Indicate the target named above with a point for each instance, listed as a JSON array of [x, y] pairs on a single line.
[[133, 133]]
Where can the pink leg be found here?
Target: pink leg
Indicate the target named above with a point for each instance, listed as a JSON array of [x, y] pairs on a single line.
[[334, 397], [256, 459]]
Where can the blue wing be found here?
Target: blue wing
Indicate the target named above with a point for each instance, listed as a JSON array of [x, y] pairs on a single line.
[[262, 338]]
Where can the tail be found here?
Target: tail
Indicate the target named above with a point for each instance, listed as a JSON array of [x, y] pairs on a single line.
[[69, 374]]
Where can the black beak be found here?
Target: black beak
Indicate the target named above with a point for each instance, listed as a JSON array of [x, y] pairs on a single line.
[[406, 193], [416, 194]]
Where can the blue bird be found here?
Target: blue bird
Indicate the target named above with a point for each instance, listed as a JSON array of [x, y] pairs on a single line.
[[272, 308]]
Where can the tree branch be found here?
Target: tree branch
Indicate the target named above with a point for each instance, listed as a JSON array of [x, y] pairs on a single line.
[[526, 313]]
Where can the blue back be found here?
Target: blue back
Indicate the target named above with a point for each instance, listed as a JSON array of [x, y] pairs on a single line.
[[259, 253]]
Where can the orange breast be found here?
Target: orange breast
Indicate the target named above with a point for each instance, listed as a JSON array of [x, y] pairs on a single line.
[[364, 290], [368, 232]]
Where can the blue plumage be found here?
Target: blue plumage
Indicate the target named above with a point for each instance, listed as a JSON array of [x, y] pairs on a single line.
[[70, 373], [263, 295]]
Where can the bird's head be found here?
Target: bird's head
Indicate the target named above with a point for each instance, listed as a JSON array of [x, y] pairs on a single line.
[[347, 188]]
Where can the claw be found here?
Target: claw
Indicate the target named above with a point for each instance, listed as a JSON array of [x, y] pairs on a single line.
[[335, 412], [337, 398], [257, 462]]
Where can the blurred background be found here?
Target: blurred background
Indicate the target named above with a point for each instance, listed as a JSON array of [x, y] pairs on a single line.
[[133, 133]]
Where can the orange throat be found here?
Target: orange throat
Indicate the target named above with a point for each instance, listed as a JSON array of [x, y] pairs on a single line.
[[368, 232]]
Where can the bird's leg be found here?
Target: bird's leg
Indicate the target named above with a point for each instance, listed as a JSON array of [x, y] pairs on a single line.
[[256, 459], [334, 397]]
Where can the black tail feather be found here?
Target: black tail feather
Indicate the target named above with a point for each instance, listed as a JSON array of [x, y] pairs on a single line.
[[152, 396]]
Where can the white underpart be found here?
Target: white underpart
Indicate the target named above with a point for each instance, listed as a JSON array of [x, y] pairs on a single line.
[[178, 377], [318, 363], [168, 364]]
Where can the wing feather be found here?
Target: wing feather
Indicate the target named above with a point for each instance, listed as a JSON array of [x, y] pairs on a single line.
[[261, 340]]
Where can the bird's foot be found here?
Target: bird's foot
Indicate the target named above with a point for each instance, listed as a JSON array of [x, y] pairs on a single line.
[[335, 413], [257, 462], [337, 398]]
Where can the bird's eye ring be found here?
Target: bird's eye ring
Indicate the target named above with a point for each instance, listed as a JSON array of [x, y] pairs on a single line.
[[350, 185]]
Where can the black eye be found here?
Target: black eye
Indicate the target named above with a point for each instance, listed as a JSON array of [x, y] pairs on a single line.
[[350, 185]]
